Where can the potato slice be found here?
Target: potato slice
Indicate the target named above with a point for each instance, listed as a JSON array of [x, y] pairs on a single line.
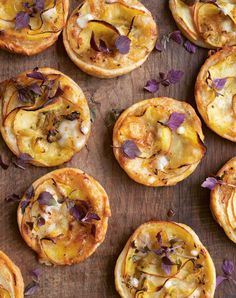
[[61, 231], [166, 155], [215, 28], [140, 272]]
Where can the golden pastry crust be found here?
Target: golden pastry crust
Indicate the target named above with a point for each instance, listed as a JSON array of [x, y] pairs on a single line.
[[11, 281], [108, 20], [167, 155], [49, 119], [67, 227], [139, 269], [44, 26], [207, 25], [216, 101], [223, 199]]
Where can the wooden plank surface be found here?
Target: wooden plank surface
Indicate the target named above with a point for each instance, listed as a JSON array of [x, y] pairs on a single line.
[[131, 204]]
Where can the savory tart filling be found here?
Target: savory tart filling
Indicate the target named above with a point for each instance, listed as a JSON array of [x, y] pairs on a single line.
[[11, 281], [165, 259], [45, 117], [110, 38], [159, 141], [215, 93], [223, 199], [29, 27], [63, 216], [210, 24]]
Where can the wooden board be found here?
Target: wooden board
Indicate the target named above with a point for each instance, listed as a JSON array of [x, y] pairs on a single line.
[[131, 204]]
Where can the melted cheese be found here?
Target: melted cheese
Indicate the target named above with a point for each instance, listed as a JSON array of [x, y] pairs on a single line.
[[82, 21]]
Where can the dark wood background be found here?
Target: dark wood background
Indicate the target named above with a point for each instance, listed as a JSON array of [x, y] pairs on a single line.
[[131, 203]]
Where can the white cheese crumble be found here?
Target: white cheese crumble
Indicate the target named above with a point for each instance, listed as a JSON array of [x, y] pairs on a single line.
[[70, 134], [50, 14], [168, 284], [161, 162], [82, 21], [194, 253], [180, 130], [134, 282]]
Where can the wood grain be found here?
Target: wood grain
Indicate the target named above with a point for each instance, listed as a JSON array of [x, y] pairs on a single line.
[[131, 204]]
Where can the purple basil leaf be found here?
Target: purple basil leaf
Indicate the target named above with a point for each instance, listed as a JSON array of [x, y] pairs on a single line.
[[176, 36], [152, 86], [22, 160], [228, 267], [4, 161], [123, 44], [210, 183], [23, 205], [158, 47], [175, 120], [90, 216], [103, 47], [39, 5], [35, 88], [130, 149], [40, 221], [191, 48], [31, 288], [166, 265], [12, 198], [35, 273], [76, 212], [46, 199], [22, 20], [159, 238], [37, 75], [219, 83], [220, 279], [29, 193], [174, 76]]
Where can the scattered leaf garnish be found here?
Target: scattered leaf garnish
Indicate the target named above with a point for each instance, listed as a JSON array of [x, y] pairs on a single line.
[[130, 149], [28, 195], [35, 273], [31, 288], [22, 160], [215, 84], [22, 20], [152, 86], [190, 47], [123, 44], [176, 36], [175, 120], [212, 182], [112, 116], [228, 270], [166, 264], [102, 47], [158, 47], [46, 199], [12, 198]]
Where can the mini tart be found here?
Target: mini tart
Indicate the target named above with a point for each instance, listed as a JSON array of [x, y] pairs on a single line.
[[11, 281], [208, 25], [167, 156], [140, 272], [57, 228], [223, 199], [43, 29], [107, 20], [218, 106], [47, 120]]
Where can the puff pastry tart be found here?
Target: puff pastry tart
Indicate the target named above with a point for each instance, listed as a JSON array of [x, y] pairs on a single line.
[[215, 93], [158, 141], [45, 117], [29, 27], [165, 259], [109, 38], [209, 24], [63, 216], [223, 199], [11, 281]]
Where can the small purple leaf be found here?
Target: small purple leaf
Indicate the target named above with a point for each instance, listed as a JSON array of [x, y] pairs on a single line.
[[39, 5], [158, 47], [90, 216], [166, 265], [35, 273], [152, 86], [220, 279], [219, 83], [189, 47], [175, 120], [130, 149], [123, 44], [46, 199], [37, 75], [31, 288], [210, 183], [174, 76], [228, 267], [12, 198], [176, 36], [22, 20]]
